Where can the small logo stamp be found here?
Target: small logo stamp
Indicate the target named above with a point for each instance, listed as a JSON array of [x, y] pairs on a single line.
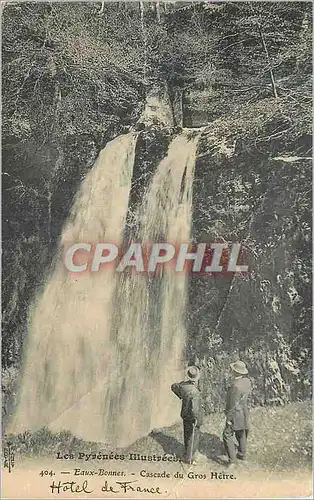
[[8, 455]]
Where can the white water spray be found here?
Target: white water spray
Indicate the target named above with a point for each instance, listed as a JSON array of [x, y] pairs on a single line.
[[103, 349]]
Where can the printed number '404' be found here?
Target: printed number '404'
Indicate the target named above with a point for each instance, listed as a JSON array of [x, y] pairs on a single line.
[[46, 473]]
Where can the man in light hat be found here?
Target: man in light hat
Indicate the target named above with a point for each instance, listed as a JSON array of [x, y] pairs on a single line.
[[192, 412], [237, 412]]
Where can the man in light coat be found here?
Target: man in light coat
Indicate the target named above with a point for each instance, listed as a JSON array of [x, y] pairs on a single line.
[[237, 412]]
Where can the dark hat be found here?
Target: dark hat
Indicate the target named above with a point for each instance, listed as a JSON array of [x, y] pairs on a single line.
[[193, 373], [239, 367]]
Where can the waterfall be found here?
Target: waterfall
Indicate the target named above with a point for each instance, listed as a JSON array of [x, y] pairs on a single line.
[[68, 350], [148, 323], [104, 349]]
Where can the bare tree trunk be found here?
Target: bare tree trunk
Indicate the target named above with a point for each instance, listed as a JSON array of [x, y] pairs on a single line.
[[102, 8], [158, 10], [271, 73], [305, 33], [144, 39], [49, 198], [55, 138]]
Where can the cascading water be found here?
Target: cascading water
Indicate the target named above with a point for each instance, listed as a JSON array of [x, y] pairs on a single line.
[[148, 324], [104, 348], [68, 351]]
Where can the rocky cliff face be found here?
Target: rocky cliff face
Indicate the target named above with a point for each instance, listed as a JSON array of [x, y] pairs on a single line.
[[261, 201]]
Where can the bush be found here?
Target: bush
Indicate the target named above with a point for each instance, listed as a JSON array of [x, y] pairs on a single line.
[[9, 379]]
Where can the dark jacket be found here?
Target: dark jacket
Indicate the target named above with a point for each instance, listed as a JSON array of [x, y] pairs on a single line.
[[192, 407], [237, 411]]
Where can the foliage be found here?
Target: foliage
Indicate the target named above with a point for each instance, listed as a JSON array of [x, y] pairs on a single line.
[[62, 71], [9, 380], [46, 443]]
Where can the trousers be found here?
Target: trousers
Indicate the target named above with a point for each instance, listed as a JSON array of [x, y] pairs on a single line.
[[228, 439], [190, 441]]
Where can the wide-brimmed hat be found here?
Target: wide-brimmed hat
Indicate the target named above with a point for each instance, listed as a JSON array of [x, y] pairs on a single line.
[[193, 373], [239, 367]]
